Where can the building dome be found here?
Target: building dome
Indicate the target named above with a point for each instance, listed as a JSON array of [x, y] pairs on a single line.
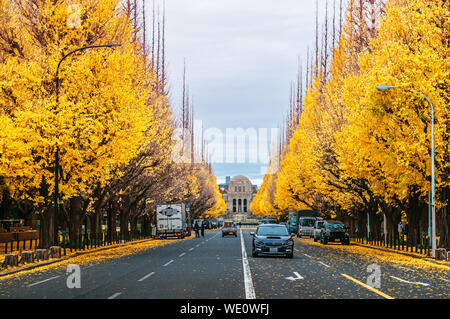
[[240, 178]]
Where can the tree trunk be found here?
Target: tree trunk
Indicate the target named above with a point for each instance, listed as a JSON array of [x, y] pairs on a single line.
[[445, 226], [6, 204], [124, 217], [413, 216], [75, 217], [146, 225], [46, 233]]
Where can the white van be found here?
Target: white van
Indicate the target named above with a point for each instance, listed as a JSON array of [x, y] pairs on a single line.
[[306, 226], [318, 228]]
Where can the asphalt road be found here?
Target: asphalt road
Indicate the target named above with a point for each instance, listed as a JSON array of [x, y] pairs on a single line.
[[222, 268]]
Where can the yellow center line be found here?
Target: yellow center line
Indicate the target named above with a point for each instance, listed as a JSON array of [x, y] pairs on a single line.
[[368, 287]]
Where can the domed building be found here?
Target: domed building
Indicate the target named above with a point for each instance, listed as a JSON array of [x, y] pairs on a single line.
[[238, 193]]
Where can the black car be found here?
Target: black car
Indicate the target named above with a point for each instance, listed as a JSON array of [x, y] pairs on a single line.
[[272, 239], [334, 230]]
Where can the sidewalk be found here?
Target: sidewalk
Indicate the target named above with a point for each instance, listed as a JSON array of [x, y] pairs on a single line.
[[388, 255], [409, 254], [112, 251]]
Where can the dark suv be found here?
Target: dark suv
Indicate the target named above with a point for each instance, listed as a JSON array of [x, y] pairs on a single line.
[[272, 239], [334, 230]]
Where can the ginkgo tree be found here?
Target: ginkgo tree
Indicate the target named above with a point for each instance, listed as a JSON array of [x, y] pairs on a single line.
[[112, 121], [358, 153]]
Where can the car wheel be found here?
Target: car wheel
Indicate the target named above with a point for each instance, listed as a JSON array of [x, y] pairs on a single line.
[[290, 256], [315, 239], [254, 254], [325, 240]]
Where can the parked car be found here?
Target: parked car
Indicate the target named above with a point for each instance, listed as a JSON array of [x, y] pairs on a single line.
[[229, 228], [269, 220], [334, 230], [272, 239], [306, 226], [318, 228]]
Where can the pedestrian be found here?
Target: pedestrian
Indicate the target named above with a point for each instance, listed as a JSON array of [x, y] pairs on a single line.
[[196, 229], [406, 229], [400, 230], [203, 229]]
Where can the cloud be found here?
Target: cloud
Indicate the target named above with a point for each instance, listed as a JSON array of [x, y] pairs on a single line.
[[241, 58]]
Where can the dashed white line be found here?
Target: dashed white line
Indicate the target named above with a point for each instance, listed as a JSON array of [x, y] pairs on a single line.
[[191, 249], [168, 263], [410, 282], [323, 264], [182, 254], [248, 282], [146, 276], [117, 294], [40, 282], [401, 267], [307, 255]]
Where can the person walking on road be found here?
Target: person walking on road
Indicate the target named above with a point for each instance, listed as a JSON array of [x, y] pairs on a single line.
[[196, 229], [203, 229], [400, 230]]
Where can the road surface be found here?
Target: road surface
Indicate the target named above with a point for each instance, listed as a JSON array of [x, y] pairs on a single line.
[[222, 268]]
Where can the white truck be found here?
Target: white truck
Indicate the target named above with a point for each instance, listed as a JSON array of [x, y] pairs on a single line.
[[172, 221]]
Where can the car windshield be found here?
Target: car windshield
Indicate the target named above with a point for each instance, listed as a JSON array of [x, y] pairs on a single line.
[[307, 222], [272, 231], [335, 226], [319, 224]]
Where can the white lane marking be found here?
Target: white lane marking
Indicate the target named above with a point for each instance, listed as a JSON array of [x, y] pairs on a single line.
[[248, 282], [295, 249], [40, 282], [297, 277], [146, 276], [401, 267], [323, 264], [168, 263], [410, 282], [307, 255], [117, 294], [191, 249], [181, 255], [445, 280]]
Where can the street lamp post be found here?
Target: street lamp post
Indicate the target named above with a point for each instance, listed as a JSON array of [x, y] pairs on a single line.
[[433, 193], [56, 192]]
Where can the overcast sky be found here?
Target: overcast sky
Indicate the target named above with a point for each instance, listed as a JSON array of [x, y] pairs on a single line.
[[241, 57]]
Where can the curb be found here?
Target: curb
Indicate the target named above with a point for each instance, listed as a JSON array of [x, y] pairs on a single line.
[[22, 269], [402, 253]]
